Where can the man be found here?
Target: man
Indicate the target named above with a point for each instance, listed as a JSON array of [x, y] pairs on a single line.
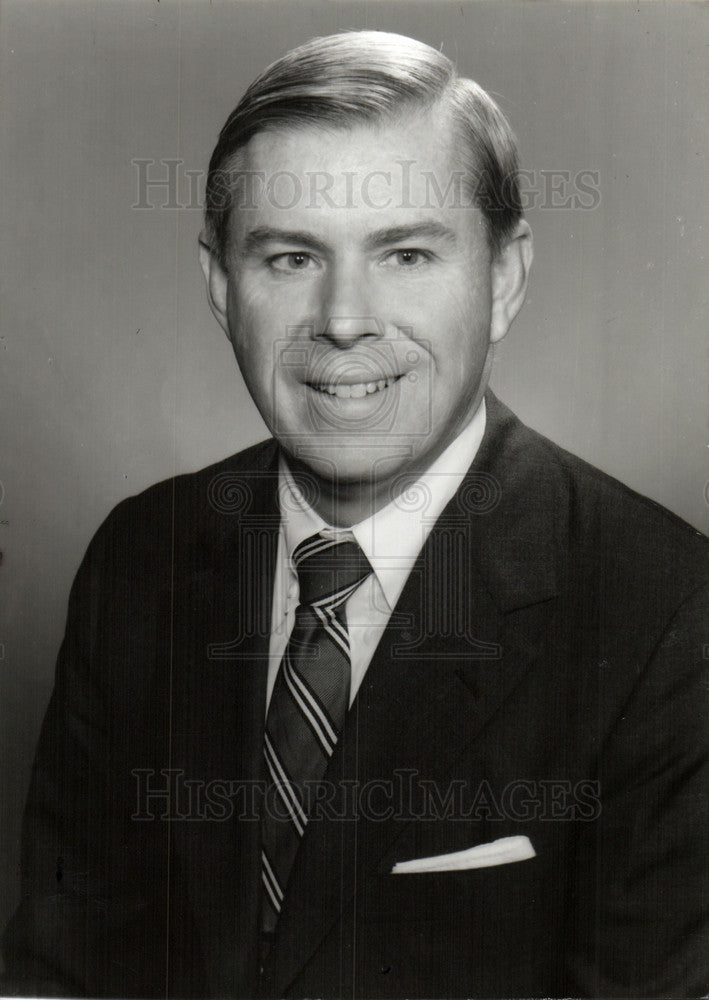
[[405, 702]]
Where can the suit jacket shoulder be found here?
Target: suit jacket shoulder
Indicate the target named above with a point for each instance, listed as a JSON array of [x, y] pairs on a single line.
[[557, 508]]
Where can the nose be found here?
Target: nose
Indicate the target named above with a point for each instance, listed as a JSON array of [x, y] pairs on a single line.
[[346, 315]]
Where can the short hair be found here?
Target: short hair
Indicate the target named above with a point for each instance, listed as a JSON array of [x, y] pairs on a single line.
[[371, 76]]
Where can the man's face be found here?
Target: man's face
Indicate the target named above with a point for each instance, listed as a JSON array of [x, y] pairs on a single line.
[[359, 296]]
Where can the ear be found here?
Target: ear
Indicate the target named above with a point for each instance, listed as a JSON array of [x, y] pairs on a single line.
[[510, 275], [217, 282]]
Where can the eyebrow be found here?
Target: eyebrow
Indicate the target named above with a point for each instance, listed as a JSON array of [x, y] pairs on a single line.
[[408, 233], [257, 239]]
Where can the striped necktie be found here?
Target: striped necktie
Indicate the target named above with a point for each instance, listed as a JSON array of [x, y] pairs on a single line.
[[308, 704]]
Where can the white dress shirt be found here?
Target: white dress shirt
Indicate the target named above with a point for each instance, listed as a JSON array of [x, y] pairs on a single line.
[[391, 539]]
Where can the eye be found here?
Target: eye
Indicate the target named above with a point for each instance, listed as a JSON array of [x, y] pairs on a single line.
[[408, 257], [296, 260]]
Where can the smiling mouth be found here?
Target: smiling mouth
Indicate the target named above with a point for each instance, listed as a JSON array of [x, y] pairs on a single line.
[[355, 390]]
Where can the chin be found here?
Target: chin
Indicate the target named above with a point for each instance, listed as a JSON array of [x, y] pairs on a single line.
[[344, 462]]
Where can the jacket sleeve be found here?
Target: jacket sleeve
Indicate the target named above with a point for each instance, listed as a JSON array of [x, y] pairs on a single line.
[[643, 928], [81, 925]]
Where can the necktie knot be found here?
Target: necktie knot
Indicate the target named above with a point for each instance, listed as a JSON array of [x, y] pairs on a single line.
[[329, 570]]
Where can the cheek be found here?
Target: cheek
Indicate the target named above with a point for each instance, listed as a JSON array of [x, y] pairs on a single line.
[[456, 335], [445, 309], [262, 324], [253, 355], [459, 339], [249, 326]]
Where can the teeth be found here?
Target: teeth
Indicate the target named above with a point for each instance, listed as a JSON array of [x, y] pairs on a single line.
[[357, 391]]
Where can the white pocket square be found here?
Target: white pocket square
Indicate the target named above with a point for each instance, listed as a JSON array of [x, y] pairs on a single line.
[[499, 852]]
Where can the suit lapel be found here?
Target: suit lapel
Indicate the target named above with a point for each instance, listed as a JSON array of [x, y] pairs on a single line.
[[469, 624], [221, 610]]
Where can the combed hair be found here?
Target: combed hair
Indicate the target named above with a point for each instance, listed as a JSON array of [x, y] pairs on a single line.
[[371, 76]]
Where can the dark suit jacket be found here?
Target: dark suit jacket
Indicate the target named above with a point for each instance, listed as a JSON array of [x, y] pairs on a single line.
[[540, 677]]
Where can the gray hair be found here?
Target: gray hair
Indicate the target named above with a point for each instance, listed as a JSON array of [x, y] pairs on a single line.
[[367, 76]]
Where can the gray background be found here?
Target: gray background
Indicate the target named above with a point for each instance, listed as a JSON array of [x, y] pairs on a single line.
[[114, 373]]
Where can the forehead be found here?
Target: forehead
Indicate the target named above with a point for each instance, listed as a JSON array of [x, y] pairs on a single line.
[[422, 131], [366, 175]]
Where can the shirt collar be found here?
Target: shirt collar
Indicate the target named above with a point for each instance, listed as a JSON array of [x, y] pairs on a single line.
[[393, 536]]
